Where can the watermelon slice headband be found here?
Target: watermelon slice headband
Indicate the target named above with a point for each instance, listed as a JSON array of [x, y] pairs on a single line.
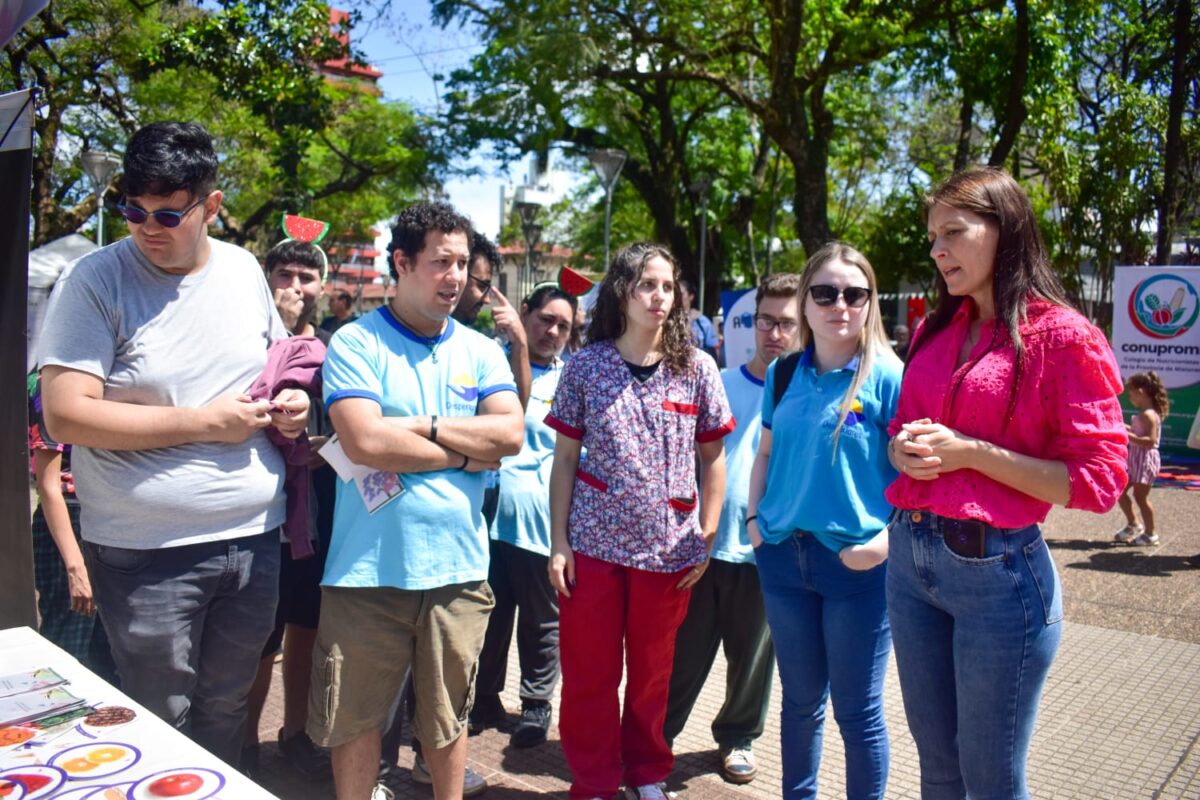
[[303, 229], [570, 282]]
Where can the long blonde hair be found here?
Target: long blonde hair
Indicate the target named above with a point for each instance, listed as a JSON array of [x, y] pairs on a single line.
[[873, 340]]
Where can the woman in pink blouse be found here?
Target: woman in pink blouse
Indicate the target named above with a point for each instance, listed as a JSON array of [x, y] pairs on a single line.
[[1008, 406], [630, 531]]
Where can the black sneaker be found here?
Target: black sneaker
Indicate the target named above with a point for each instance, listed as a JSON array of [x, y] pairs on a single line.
[[531, 730], [248, 762], [488, 712], [310, 761]]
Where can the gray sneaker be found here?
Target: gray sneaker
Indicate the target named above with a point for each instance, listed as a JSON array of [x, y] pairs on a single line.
[[473, 782]]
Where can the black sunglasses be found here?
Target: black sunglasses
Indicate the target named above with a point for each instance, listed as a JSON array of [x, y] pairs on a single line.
[[826, 295], [168, 219]]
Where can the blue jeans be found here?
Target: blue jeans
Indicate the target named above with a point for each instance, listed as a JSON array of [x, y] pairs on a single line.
[[187, 627], [830, 628], [974, 640]]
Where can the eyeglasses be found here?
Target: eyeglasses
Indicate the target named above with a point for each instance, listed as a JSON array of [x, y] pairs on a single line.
[[767, 324], [826, 295], [484, 286], [168, 219]]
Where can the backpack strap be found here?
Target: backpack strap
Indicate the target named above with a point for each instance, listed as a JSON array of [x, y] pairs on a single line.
[[784, 371]]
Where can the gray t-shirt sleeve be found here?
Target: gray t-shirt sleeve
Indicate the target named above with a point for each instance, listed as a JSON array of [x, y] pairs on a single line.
[[80, 325]]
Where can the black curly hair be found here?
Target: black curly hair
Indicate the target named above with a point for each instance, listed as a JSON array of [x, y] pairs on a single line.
[[415, 222]]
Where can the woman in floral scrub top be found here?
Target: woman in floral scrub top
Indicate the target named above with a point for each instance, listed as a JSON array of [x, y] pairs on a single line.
[[630, 528]]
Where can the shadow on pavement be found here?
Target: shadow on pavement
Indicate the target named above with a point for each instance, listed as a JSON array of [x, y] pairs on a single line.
[[1137, 562]]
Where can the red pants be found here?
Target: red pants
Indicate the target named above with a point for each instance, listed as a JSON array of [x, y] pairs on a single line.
[[613, 609]]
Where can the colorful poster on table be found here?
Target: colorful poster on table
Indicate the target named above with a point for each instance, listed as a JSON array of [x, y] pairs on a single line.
[[1155, 315]]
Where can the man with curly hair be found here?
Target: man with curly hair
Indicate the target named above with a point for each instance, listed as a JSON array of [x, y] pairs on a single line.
[[411, 392]]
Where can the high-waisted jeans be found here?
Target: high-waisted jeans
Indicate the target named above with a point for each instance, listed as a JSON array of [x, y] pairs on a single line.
[[830, 628], [974, 639]]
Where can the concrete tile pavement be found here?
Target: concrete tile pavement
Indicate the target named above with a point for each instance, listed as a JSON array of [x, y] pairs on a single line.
[[1120, 719]]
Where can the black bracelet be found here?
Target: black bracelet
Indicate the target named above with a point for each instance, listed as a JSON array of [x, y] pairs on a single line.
[[466, 460], [433, 429], [751, 518]]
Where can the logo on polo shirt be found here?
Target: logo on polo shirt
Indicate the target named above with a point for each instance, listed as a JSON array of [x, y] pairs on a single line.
[[856, 416], [465, 387]]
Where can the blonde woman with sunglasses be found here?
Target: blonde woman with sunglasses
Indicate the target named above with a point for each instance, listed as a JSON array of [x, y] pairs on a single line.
[[817, 519]]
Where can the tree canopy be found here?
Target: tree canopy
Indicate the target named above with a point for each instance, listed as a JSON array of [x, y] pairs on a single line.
[[289, 139], [834, 117]]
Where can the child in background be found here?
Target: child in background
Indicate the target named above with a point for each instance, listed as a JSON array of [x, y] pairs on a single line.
[[1147, 393]]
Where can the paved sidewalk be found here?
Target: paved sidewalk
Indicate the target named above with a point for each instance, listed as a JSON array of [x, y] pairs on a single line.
[[1120, 719]]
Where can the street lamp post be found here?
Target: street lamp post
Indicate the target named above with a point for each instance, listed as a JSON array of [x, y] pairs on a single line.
[[100, 167], [700, 188], [608, 165], [532, 232]]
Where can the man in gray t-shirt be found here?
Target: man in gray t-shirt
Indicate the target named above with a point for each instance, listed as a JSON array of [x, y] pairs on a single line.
[[148, 348]]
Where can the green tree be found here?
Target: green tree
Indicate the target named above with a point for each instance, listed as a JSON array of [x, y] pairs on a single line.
[[289, 139], [540, 83]]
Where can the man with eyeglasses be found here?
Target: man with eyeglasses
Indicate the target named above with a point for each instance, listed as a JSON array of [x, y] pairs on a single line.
[[726, 605], [181, 490]]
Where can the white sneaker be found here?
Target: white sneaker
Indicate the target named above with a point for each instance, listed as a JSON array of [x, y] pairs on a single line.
[[473, 782], [381, 792], [1128, 534], [648, 791]]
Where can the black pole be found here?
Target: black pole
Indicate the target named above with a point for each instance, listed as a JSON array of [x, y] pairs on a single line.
[[17, 606]]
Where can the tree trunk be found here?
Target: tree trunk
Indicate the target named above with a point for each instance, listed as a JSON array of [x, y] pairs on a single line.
[[811, 199], [1015, 110], [1173, 155], [966, 123]]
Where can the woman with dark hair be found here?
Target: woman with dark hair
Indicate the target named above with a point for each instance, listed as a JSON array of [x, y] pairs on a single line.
[[1008, 406], [630, 532], [819, 517]]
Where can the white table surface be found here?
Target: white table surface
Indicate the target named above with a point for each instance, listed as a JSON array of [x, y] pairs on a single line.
[[161, 747]]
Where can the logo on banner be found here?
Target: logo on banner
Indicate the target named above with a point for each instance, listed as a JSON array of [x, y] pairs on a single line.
[[1164, 306]]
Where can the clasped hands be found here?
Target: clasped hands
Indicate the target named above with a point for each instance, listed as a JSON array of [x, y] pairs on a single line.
[[924, 449]]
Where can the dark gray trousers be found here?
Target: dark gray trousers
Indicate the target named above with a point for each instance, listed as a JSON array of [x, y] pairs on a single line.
[[519, 580], [726, 607]]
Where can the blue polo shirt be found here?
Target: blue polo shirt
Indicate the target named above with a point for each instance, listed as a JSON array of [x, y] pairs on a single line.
[[433, 534], [741, 447], [523, 513], [836, 496]]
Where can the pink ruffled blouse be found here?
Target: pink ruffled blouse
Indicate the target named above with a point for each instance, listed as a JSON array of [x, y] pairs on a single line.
[[1066, 410]]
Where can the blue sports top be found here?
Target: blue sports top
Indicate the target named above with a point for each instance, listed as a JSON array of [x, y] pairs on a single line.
[[836, 496]]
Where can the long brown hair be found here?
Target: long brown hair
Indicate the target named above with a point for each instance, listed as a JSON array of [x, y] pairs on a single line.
[[608, 320], [1152, 385], [873, 340], [1021, 269]]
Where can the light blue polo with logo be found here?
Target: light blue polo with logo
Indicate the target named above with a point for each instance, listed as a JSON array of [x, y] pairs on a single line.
[[434, 533], [741, 448], [836, 495], [523, 513]]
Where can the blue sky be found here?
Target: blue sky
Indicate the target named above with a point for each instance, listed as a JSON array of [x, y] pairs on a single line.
[[410, 50]]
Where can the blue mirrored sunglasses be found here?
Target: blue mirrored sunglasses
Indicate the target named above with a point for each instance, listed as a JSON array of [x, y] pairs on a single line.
[[168, 219]]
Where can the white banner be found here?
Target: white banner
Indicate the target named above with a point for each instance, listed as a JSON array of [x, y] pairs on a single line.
[[1155, 311], [16, 120], [738, 329]]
